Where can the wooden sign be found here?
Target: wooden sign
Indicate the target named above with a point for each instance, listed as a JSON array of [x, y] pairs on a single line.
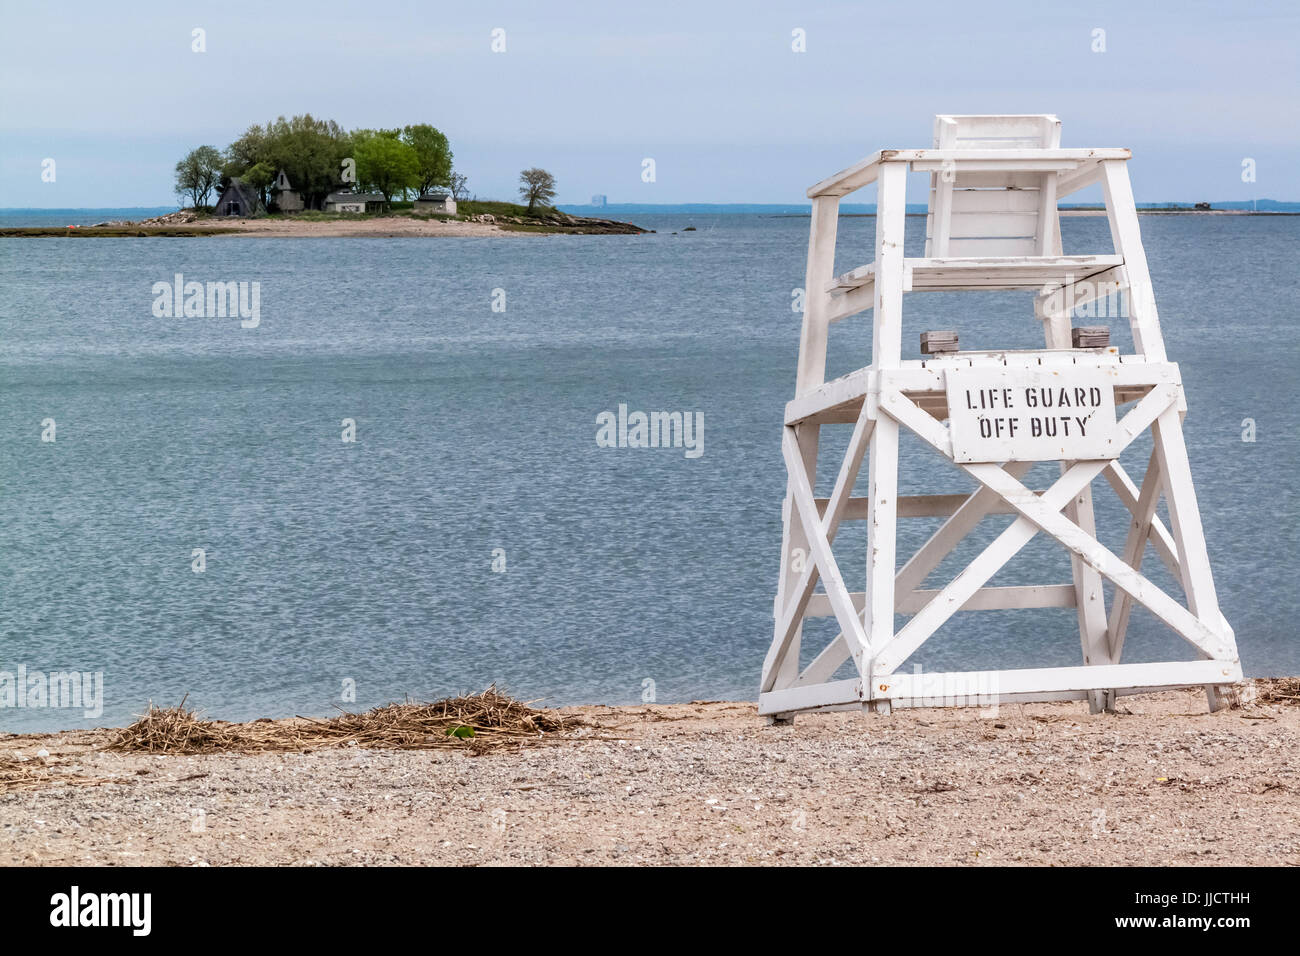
[[1004, 413]]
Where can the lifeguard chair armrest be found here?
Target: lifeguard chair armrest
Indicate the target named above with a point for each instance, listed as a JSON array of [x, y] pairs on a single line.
[[865, 173]]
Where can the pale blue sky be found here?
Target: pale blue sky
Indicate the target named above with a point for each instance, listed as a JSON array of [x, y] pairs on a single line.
[[711, 91]]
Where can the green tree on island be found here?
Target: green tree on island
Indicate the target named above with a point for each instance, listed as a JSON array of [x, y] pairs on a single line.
[[538, 187], [432, 153], [260, 176], [246, 152], [384, 162], [312, 154], [198, 174], [310, 151]]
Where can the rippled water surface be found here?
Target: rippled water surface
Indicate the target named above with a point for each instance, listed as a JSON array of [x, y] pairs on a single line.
[[372, 561]]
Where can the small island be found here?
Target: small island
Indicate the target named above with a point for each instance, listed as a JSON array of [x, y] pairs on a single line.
[[304, 177]]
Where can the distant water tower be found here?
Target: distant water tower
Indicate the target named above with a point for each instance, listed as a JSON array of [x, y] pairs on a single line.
[[599, 200]]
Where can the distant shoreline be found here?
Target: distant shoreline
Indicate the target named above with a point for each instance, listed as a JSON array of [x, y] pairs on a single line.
[[1100, 211], [399, 225], [1082, 211]]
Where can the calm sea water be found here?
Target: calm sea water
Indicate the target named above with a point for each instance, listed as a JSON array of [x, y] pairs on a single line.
[[371, 562]]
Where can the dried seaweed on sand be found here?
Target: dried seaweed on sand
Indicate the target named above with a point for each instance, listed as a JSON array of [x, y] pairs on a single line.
[[476, 722]]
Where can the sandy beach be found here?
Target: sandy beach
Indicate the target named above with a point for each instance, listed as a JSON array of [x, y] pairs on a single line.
[[1161, 782], [375, 227]]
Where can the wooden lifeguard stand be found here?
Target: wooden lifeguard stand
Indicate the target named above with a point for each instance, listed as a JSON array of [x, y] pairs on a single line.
[[994, 186]]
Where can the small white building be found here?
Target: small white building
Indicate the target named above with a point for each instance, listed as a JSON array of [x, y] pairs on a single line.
[[435, 201], [347, 201]]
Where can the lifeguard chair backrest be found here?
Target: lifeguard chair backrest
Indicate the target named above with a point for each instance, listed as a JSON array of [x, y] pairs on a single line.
[[993, 213]]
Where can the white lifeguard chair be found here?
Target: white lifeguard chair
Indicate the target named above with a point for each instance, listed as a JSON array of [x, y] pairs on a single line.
[[994, 186]]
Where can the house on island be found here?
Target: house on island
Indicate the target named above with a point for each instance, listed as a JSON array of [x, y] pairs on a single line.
[[435, 201], [285, 197], [344, 200], [238, 199]]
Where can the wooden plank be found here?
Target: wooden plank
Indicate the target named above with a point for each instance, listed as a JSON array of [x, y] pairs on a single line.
[[882, 526], [1049, 225], [887, 331], [991, 247], [853, 178], [998, 598], [919, 506], [984, 225], [1090, 337], [886, 352], [1134, 547], [938, 341], [863, 275], [821, 266], [1014, 272], [941, 186], [840, 391], [1080, 178], [821, 528], [1078, 292], [1000, 201], [1020, 154], [992, 700], [852, 302], [784, 663], [865, 172], [985, 272], [965, 161], [806, 697], [1019, 181], [945, 130], [819, 543], [930, 375], [1039, 680], [1033, 129], [1185, 522], [1121, 213]]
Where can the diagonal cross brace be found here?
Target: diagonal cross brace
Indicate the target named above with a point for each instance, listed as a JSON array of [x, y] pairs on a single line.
[[1164, 543], [1144, 513], [1004, 547], [1067, 533], [820, 531], [957, 526]]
